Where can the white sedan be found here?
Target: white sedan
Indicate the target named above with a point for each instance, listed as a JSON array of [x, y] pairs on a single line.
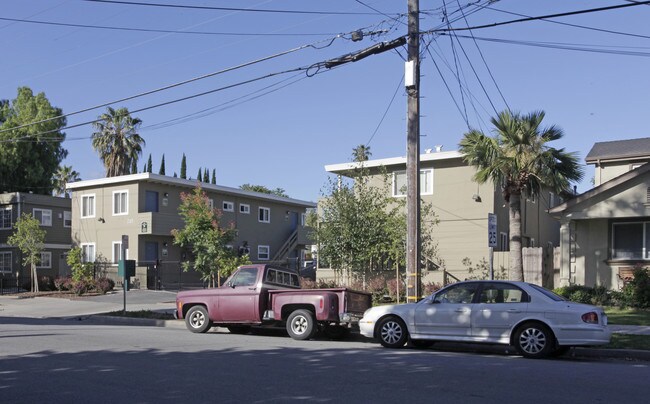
[[535, 320]]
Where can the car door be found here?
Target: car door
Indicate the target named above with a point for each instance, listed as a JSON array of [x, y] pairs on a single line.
[[238, 300], [447, 315], [500, 306]]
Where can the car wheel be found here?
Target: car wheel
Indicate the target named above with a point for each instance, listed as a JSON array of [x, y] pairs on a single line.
[[239, 329], [392, 332], [336, 332], [301, 325], [421, 343], [197, 319], [534, 340]]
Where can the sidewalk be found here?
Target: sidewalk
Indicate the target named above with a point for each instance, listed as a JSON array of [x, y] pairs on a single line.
[[163, 301]]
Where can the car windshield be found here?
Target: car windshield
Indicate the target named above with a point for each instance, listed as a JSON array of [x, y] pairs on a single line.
[[548, 293]]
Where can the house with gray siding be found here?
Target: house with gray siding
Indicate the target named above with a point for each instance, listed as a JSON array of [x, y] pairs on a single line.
[[54, 214], [144, 207]]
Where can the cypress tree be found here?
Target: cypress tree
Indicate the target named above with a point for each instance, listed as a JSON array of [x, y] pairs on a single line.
[[175, 175], [162, 166], [184, 168], [149, 169], [206, 176], [214, 176], [199, 177]]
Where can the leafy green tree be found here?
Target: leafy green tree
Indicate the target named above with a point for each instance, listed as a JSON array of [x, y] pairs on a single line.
[[214, 176], [29, 238], [149, 165], [264, 190], [207, 240], [519, 160], [360, 228], [162, 166], [81, 271], [134, 167], [184, 167], [117, 141], [62, 176], [30, 154]]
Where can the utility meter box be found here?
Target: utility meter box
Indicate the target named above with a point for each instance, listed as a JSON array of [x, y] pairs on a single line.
[[126, 268]]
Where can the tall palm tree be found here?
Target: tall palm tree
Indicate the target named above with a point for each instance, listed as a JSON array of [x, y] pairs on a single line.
[[361, 153], [519, 160], [117, 141], [62, 176]]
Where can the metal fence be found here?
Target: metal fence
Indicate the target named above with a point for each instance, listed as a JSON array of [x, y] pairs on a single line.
[[10, 284]]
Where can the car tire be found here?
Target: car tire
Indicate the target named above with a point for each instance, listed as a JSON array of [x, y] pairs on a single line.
[[239, 329], [421, 343], [197, 319], [301, 325], [392, 332], [534, 340]]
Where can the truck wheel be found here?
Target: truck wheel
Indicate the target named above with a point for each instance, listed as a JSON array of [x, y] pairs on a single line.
[[301, 325], [392, 332], [197, 319]]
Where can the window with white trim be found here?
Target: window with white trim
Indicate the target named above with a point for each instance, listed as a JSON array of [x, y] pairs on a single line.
[[631, 240], [87, 206], [117, 252], [88, 250], [5, 218], [228, 206], [263, 252], [264, 215], [120, 203], [5, 262], [303, 219], [67, 218], [244, 208], [46, 260], [426, 182], [44, 216]]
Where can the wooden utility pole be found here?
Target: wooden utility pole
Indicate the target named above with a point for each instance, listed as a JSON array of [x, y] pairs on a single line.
[[412, 82]]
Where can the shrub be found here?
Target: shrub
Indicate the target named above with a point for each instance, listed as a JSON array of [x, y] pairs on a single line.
[[103, 285], [637, 292], [45, 283], [82, 286]]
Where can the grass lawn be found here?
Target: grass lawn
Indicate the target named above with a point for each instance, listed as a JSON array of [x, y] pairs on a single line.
[[627, 316], [626, 341]]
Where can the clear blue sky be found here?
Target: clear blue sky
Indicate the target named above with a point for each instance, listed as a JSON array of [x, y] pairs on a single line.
[[286, 137]]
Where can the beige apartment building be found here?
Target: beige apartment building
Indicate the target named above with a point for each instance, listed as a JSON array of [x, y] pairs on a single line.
[[144, 208], [463, 207], [605, 232], [54, 214]]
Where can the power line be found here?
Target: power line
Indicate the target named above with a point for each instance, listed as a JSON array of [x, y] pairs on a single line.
[[399, 85], [250, 10], [541, 17], [163, 31]]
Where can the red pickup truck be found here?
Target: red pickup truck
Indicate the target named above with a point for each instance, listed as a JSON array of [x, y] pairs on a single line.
[[269, 295]]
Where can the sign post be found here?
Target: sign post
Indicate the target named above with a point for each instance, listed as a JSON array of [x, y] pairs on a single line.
[[492, 240]]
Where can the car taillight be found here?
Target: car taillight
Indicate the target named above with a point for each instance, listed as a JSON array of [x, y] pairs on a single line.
[[591, 317]]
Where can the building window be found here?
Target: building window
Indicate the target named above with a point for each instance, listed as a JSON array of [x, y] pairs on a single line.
[[67, 219], [264, 215], [263, 252], [426, 182], [88, 250], [151, 201], [87, 206], [120, 203], [244, 208], [303, 219], [504, 242], [5, 262], [631, 240], [117, 251], [44, 216], [46, 260], [228, 206], [5, 218]]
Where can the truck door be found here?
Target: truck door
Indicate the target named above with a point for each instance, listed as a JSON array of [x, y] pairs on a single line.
[[239, 300]]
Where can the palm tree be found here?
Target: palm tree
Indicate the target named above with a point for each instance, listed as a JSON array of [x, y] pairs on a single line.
[[116, 141], [519, 160], [361, 153], [62, 176]]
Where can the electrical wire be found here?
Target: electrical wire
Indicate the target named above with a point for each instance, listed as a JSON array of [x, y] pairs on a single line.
[[399, 85], [250, 10]]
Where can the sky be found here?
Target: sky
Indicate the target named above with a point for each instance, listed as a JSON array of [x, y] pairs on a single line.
[[271, 114]]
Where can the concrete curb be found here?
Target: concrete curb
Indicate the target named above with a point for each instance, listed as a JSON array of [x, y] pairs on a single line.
[[577, 352]]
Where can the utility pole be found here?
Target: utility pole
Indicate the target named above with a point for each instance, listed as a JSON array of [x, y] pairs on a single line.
[[412, 82]]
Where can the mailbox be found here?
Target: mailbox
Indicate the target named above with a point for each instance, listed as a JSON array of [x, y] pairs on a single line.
[[126, 268]]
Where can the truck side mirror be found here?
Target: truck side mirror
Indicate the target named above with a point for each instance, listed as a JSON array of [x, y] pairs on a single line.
[[232, 285]]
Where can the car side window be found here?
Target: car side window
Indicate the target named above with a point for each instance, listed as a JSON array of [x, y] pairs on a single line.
[[458, 294], [245, 277], [502, 293]]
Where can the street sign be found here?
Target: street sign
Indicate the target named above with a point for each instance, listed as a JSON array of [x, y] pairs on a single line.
[[492, 230]]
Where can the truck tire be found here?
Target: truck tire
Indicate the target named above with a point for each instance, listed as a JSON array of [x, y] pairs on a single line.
[[301, 325], [197, 319]]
